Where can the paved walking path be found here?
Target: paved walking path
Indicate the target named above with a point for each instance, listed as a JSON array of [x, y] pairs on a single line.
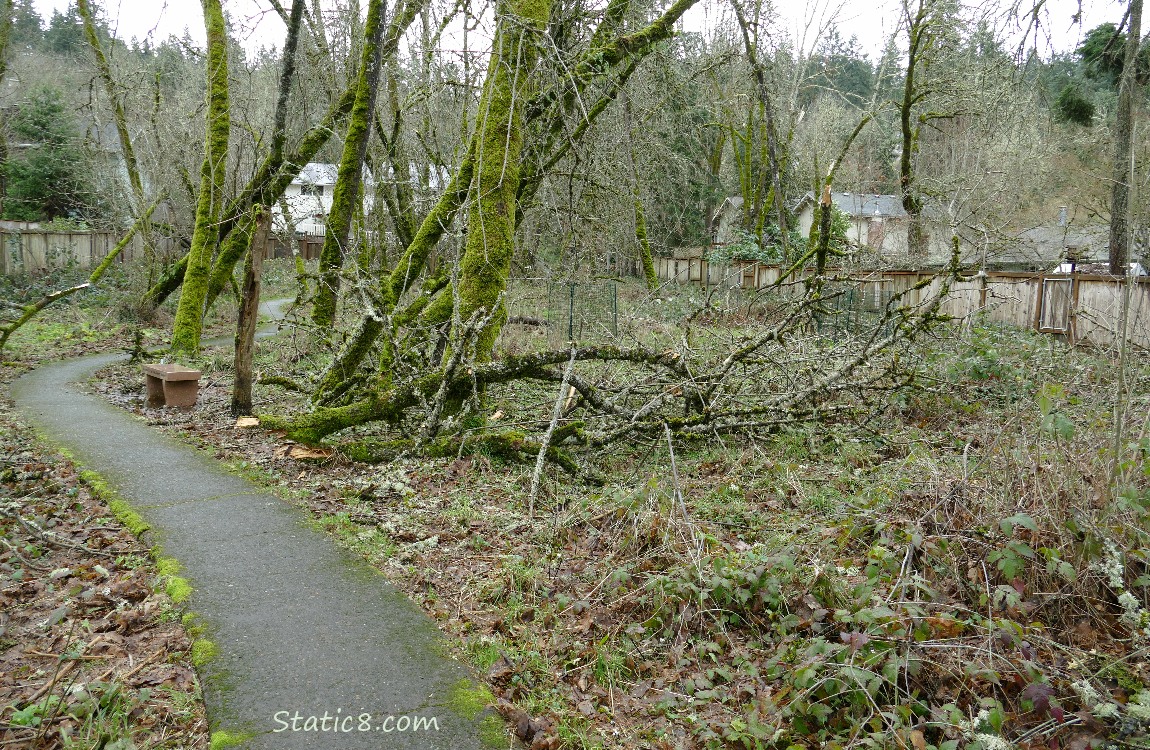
[[302, 628]]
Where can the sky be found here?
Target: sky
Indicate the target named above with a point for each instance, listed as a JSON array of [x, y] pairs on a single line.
[[870, 20]]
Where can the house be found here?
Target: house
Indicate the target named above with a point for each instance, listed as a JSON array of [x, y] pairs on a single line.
[[728, 217], [877, 222], [1045, 245], [308, 199]]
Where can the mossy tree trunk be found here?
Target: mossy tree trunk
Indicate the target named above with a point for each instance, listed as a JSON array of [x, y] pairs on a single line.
[[402, 277], [1119, 255], [350, 176], [190, 312], [241, 235], [490, 175], [768, 190], [127, 150], [918, 31], [104, 68], [490, 243], [5, 38], [645, 257], [649, 274]]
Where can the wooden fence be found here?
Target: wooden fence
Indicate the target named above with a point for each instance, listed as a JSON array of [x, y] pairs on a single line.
[[35, 251], [1078, 307]]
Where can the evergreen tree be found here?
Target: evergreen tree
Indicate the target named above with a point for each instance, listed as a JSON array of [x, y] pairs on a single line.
[[27, 26], [45, 174], [65, 32], [842, 67], [1073, 106], [1102, 53]]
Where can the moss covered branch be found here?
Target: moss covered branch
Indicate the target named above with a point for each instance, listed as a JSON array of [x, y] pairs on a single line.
[[349, 178]]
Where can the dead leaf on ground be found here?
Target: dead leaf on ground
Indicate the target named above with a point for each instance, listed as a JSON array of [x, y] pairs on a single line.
[[243, 422]]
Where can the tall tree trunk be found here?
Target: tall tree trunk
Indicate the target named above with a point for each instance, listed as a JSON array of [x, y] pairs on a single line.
[[5, 38], [350, 176], [249, 314], [1124, 144], [190, 312], [648, 259], [771, 182], [490, 243], [121, 120], [241, 234], [127, 151], [645, 256], [918, 40]]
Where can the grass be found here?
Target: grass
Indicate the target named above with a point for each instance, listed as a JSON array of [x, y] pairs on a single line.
[[362, 539]]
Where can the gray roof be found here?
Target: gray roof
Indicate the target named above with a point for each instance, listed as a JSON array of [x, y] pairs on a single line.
[[862, 205], [1091, 240], [869, 204]]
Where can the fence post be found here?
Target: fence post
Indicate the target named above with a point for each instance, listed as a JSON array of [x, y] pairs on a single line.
[[571, 311], [615, 308]]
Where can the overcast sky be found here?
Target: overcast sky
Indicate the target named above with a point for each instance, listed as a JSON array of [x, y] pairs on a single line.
[[871, 20]]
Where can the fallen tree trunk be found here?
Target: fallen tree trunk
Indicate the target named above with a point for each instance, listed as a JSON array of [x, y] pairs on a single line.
[[783, 374]]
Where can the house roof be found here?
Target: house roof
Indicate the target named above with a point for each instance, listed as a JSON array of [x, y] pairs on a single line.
[[862, 205], [1090, 240], [316, 173], [731, 203]]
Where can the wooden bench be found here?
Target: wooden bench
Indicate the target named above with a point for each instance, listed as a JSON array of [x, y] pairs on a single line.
[[172, 385]]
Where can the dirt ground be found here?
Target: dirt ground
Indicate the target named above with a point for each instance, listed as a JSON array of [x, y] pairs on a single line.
[[92, 650]]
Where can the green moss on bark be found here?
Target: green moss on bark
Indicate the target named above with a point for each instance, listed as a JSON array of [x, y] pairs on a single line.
[[490, 245], [349, 178], [645, 246], [233, 250], [190, 312]]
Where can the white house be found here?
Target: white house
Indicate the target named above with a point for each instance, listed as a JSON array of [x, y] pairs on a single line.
[[879, 224], [308, 198], [876, 221]]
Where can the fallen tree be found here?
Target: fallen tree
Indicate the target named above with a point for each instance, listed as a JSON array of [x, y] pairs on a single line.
[[421, 361], [711, 383]]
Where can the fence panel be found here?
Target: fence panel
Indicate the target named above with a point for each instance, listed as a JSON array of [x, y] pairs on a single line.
[[1079, 307], [35, 251], [1055, 308]]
